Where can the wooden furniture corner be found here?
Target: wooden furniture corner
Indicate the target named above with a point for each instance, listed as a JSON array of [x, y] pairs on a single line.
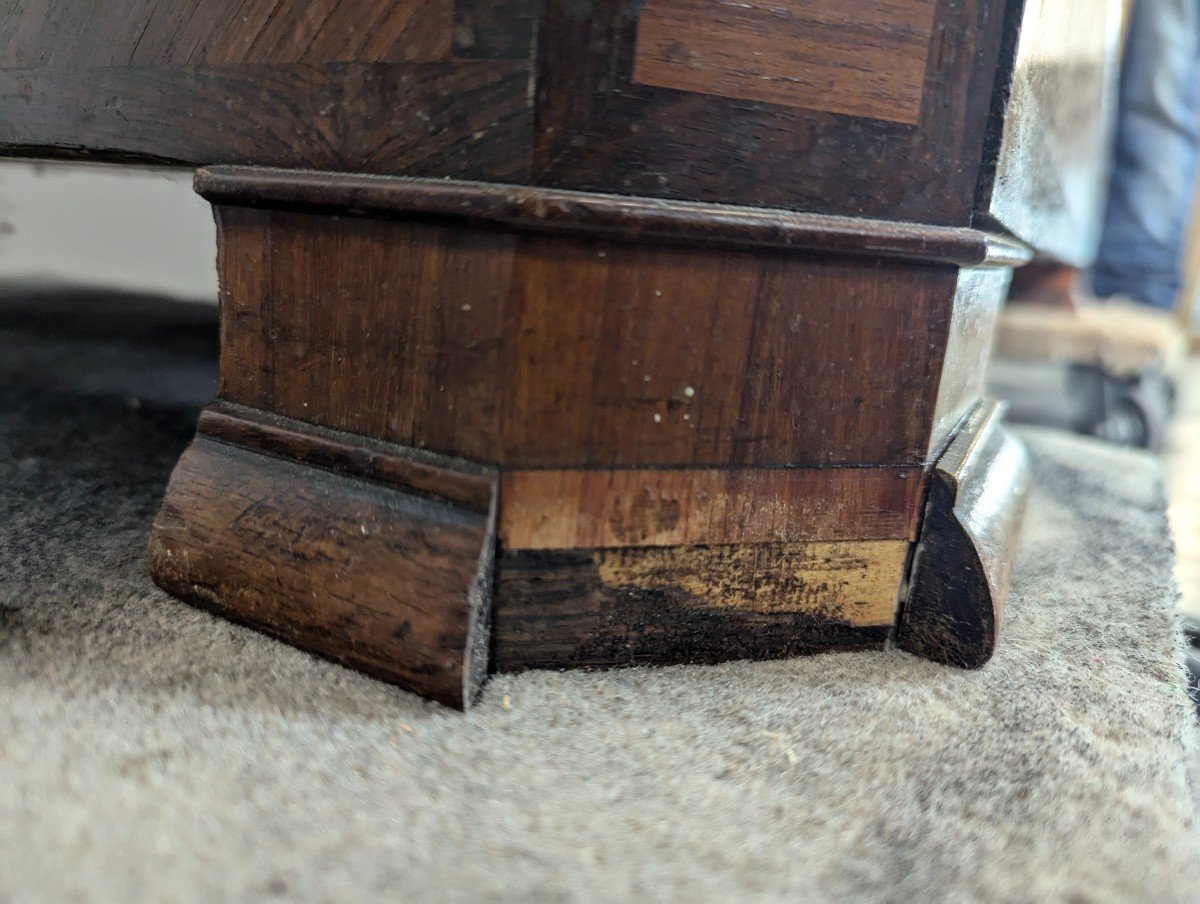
[[463, 423], [584, 334]]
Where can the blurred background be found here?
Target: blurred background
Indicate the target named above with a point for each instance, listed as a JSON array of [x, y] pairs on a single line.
[[129, 229]]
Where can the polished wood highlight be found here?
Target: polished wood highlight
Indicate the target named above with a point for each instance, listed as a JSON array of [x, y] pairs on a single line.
[[605, 608], [978, 298], [963, 559], [693, 506], [855, 57], [383, 580]]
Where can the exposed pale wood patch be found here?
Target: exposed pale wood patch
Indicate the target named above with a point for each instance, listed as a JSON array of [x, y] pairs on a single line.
[[856, 57], [855, 583], [678, 507]]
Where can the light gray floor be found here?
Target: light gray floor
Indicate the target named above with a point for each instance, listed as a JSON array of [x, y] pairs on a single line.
[[151, 752]]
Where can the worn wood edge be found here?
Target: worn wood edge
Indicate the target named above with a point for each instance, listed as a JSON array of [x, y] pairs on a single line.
[[664, 507], [544, 210], [962, 562], [172, 567], [464, 483]]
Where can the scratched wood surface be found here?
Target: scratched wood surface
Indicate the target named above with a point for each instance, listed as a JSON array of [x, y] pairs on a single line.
[[537, 352], [680, 507], [423, 85], [604, 608], [851, 108], [389, 583]]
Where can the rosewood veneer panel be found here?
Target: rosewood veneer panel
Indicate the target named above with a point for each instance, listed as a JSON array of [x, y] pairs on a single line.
[[528, 351], [369, 86], [817, 54], [599, 128]]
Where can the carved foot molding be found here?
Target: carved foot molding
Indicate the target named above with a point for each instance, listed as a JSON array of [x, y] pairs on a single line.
[[464, 427]]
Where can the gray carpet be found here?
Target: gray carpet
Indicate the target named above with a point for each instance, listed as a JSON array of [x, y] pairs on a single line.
[[151, 752]]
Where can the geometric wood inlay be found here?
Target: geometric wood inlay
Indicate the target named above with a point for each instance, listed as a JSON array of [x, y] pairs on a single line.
[[853, 57]]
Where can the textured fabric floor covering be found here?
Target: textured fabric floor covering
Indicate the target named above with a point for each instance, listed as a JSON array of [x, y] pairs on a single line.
[[151, 752]]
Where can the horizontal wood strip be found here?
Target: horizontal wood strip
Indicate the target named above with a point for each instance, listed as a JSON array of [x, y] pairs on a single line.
[[852, 583], [82, 33], [464, 484], [457, 119], [547, 210], [854, 57], [573, 509]]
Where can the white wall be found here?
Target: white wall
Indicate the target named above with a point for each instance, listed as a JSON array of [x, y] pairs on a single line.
[[130, 228]]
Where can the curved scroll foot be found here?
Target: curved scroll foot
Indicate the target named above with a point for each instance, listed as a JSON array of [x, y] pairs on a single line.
[[363, 552], [963, 560]]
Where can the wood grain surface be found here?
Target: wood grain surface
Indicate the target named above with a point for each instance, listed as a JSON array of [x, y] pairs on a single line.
[[461, 483], [603, 608], [597, 129], [856, 57], [548, 211], [387, 582], [49, 34], [873, 110], [682, 507], [370, 86], [540, 352]]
